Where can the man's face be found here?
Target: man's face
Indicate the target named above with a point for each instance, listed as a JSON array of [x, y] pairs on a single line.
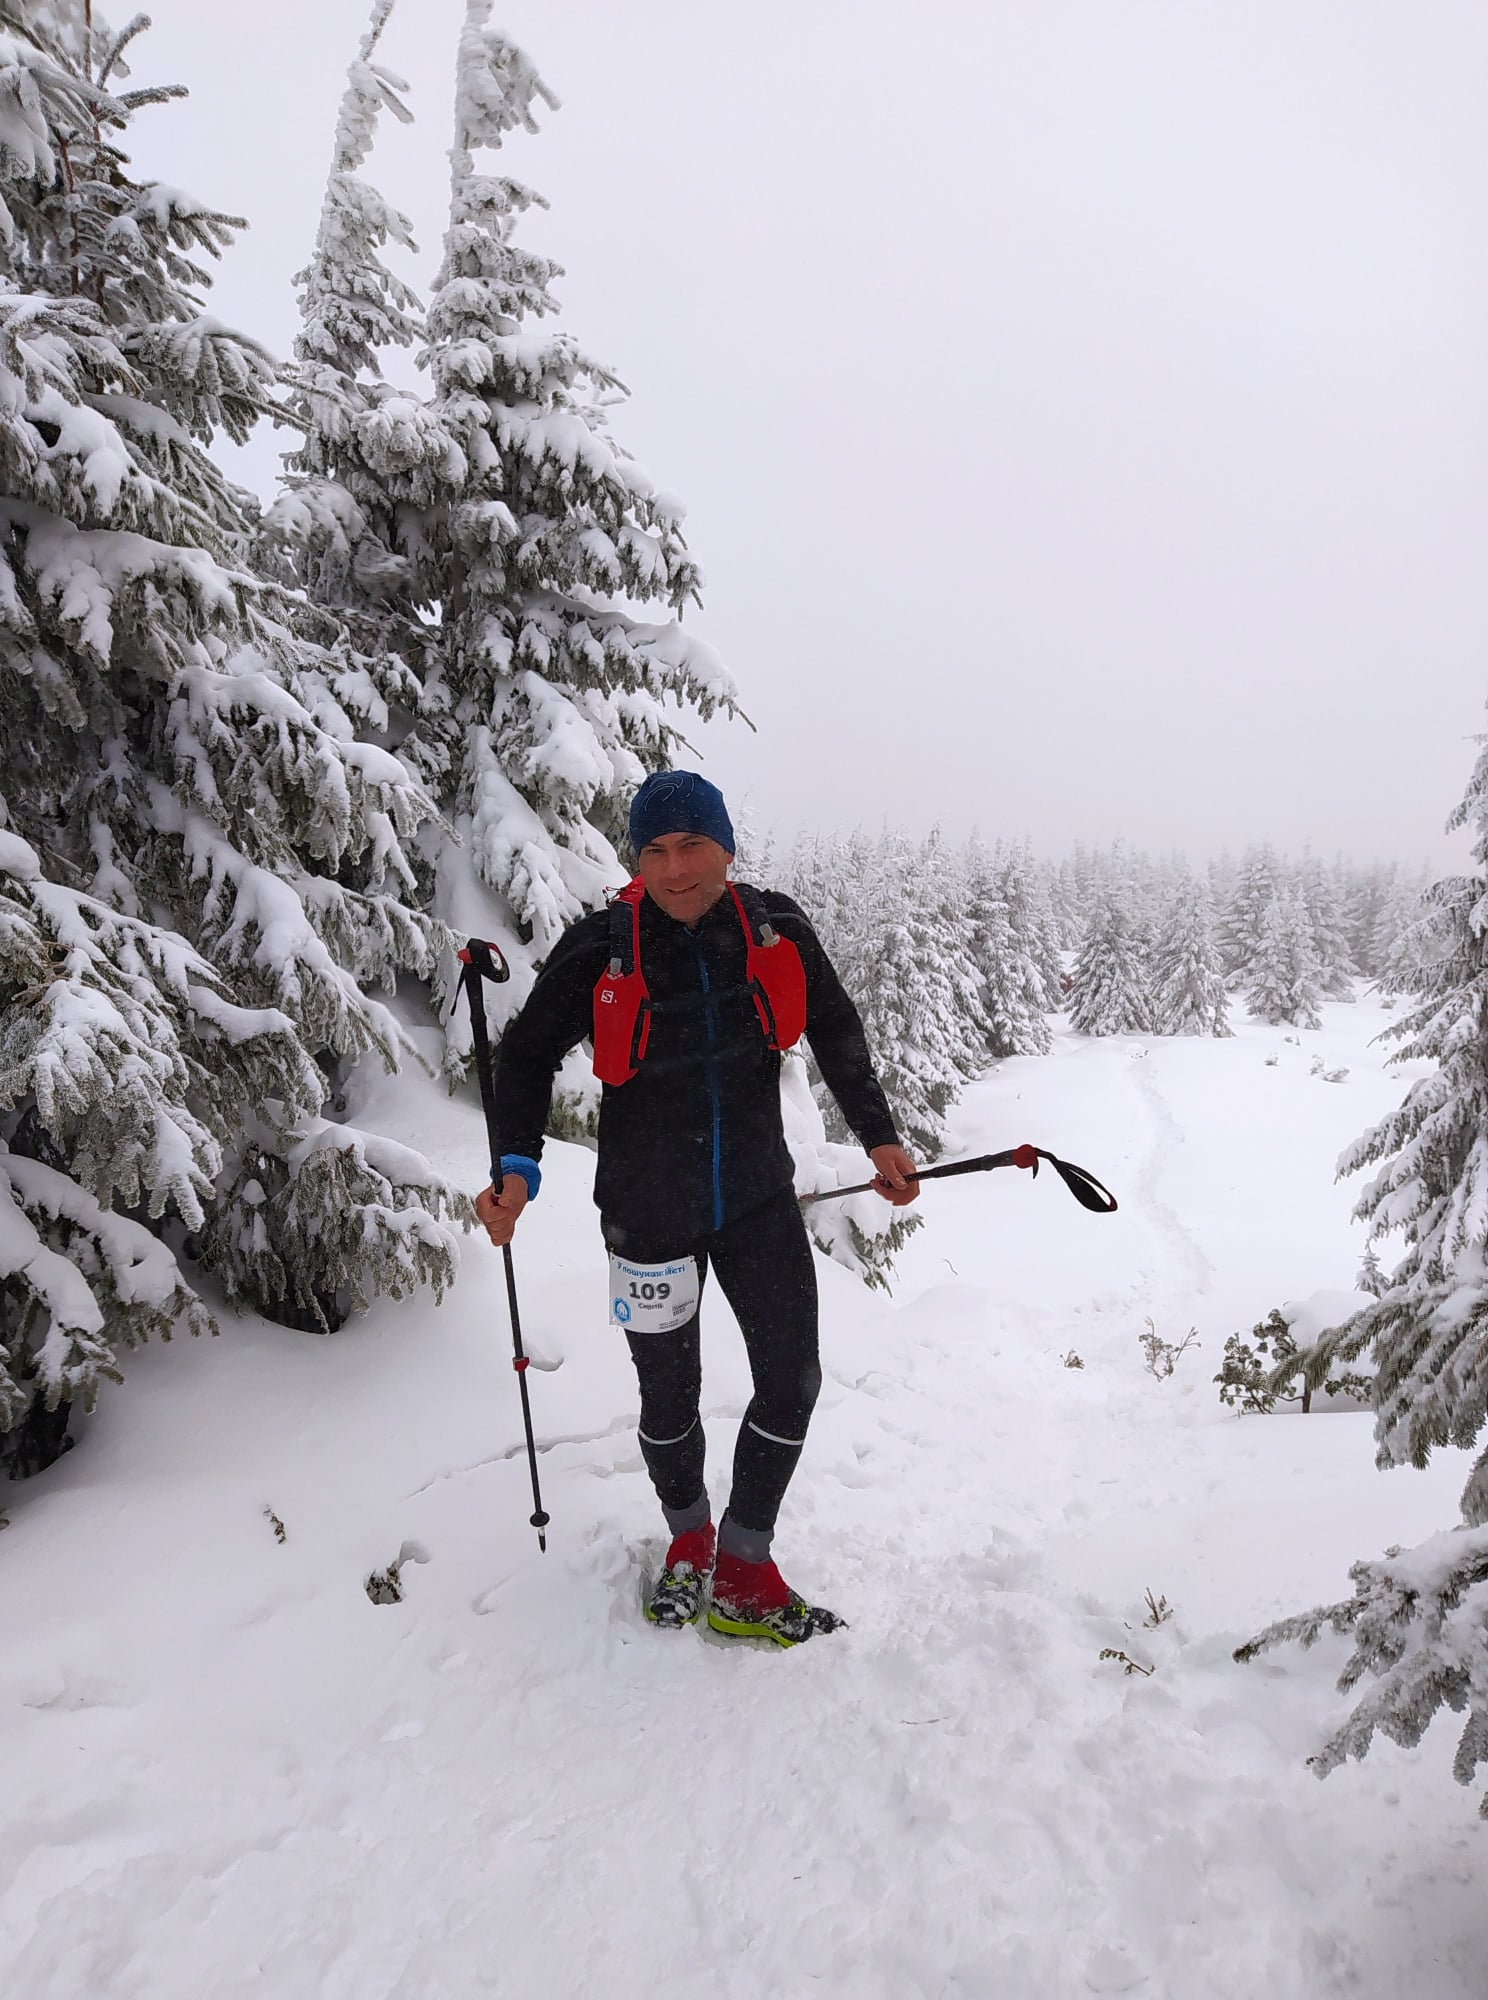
[[684, 873]]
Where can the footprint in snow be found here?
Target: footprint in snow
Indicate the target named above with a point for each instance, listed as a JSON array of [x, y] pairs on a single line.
[[1112, 1969]]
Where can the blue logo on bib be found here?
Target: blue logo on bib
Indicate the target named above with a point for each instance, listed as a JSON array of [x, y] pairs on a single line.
[[622, 1312]]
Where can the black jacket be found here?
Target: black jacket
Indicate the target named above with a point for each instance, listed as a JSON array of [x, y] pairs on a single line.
[[694, 1139]]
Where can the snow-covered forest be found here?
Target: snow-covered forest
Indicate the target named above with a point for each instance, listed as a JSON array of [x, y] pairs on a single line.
[[267, 761], [1127, 944]]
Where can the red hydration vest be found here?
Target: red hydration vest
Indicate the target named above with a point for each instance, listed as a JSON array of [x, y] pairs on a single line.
[[622, 1002]]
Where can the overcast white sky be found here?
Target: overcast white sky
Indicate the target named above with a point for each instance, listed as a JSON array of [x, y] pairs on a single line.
[[1081, 409]]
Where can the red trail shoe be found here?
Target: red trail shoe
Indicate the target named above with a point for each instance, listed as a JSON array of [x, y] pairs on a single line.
[[754, 1601], [678, 1595]]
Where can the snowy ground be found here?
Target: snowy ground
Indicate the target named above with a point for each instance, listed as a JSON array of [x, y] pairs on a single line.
[[228, 1773]]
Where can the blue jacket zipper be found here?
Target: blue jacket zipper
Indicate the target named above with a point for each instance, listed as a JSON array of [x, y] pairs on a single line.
[[711, 1065]]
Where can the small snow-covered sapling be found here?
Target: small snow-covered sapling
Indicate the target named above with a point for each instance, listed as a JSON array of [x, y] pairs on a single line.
[[1160, 1357], [1254, 1378]]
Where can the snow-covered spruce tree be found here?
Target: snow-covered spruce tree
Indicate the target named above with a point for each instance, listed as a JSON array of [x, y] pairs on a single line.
[[1283, 983], [1188, 987], [1111, 994], [825, 876], [1000, 931], [1323, 903], [1064, 899], [204, 863], [1256, 886], [1402, 934], [937, 881], [911, 1000], [1222, 876], [833, 885], [549, 700], [1364, 898], [1419, 1617], [1083, 877], [371, 457], [805, 871], [1027, 888], [1385, 906], [1143, 894]]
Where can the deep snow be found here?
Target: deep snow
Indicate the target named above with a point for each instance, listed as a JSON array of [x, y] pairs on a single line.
[[228, 1773]]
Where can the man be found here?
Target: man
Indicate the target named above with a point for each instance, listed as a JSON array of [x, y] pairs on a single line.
[[690, 986]]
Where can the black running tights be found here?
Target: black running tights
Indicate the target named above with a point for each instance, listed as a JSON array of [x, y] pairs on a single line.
[[764, 1265]]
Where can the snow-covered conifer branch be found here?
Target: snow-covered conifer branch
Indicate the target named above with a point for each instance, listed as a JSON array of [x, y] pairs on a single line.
[[79, 1280], [1418, 1620], [345, 1213], [1419, 1617]]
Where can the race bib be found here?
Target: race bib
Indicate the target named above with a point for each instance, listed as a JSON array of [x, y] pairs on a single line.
[[653, 1298]]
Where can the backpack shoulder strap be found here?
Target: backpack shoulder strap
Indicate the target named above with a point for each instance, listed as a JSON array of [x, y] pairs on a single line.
[[625, 927], [752, 912]]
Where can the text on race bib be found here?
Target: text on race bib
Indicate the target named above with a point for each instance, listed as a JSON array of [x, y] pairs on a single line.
[[653, 1298]]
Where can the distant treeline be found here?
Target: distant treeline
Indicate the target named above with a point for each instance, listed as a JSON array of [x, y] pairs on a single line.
[[959, 955]]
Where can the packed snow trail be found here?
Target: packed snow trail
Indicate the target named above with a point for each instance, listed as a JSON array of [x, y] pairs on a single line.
[[230, 1773]]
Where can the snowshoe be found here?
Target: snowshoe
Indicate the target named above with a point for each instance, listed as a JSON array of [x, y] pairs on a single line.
[[677, 1597], [754, 1601]]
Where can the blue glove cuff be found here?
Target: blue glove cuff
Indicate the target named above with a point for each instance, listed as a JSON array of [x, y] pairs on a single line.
[[518, 1163]]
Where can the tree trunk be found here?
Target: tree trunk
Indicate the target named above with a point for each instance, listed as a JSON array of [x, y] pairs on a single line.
[[36, 1442]]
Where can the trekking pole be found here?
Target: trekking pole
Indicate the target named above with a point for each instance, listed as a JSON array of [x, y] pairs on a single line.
[[484, 961], [1083, 1185]]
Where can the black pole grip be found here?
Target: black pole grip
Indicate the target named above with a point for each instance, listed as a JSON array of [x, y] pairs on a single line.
[[486, 959], [1082, 1184]]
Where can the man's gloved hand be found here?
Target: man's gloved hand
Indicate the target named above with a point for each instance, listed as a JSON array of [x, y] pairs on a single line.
[[498, 1213], [893, 1166]]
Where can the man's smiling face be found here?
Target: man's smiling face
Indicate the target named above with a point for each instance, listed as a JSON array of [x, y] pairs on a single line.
[[684, 873]]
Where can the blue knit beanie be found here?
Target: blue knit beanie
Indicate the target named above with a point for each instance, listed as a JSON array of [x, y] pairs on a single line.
[[679, 802]]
